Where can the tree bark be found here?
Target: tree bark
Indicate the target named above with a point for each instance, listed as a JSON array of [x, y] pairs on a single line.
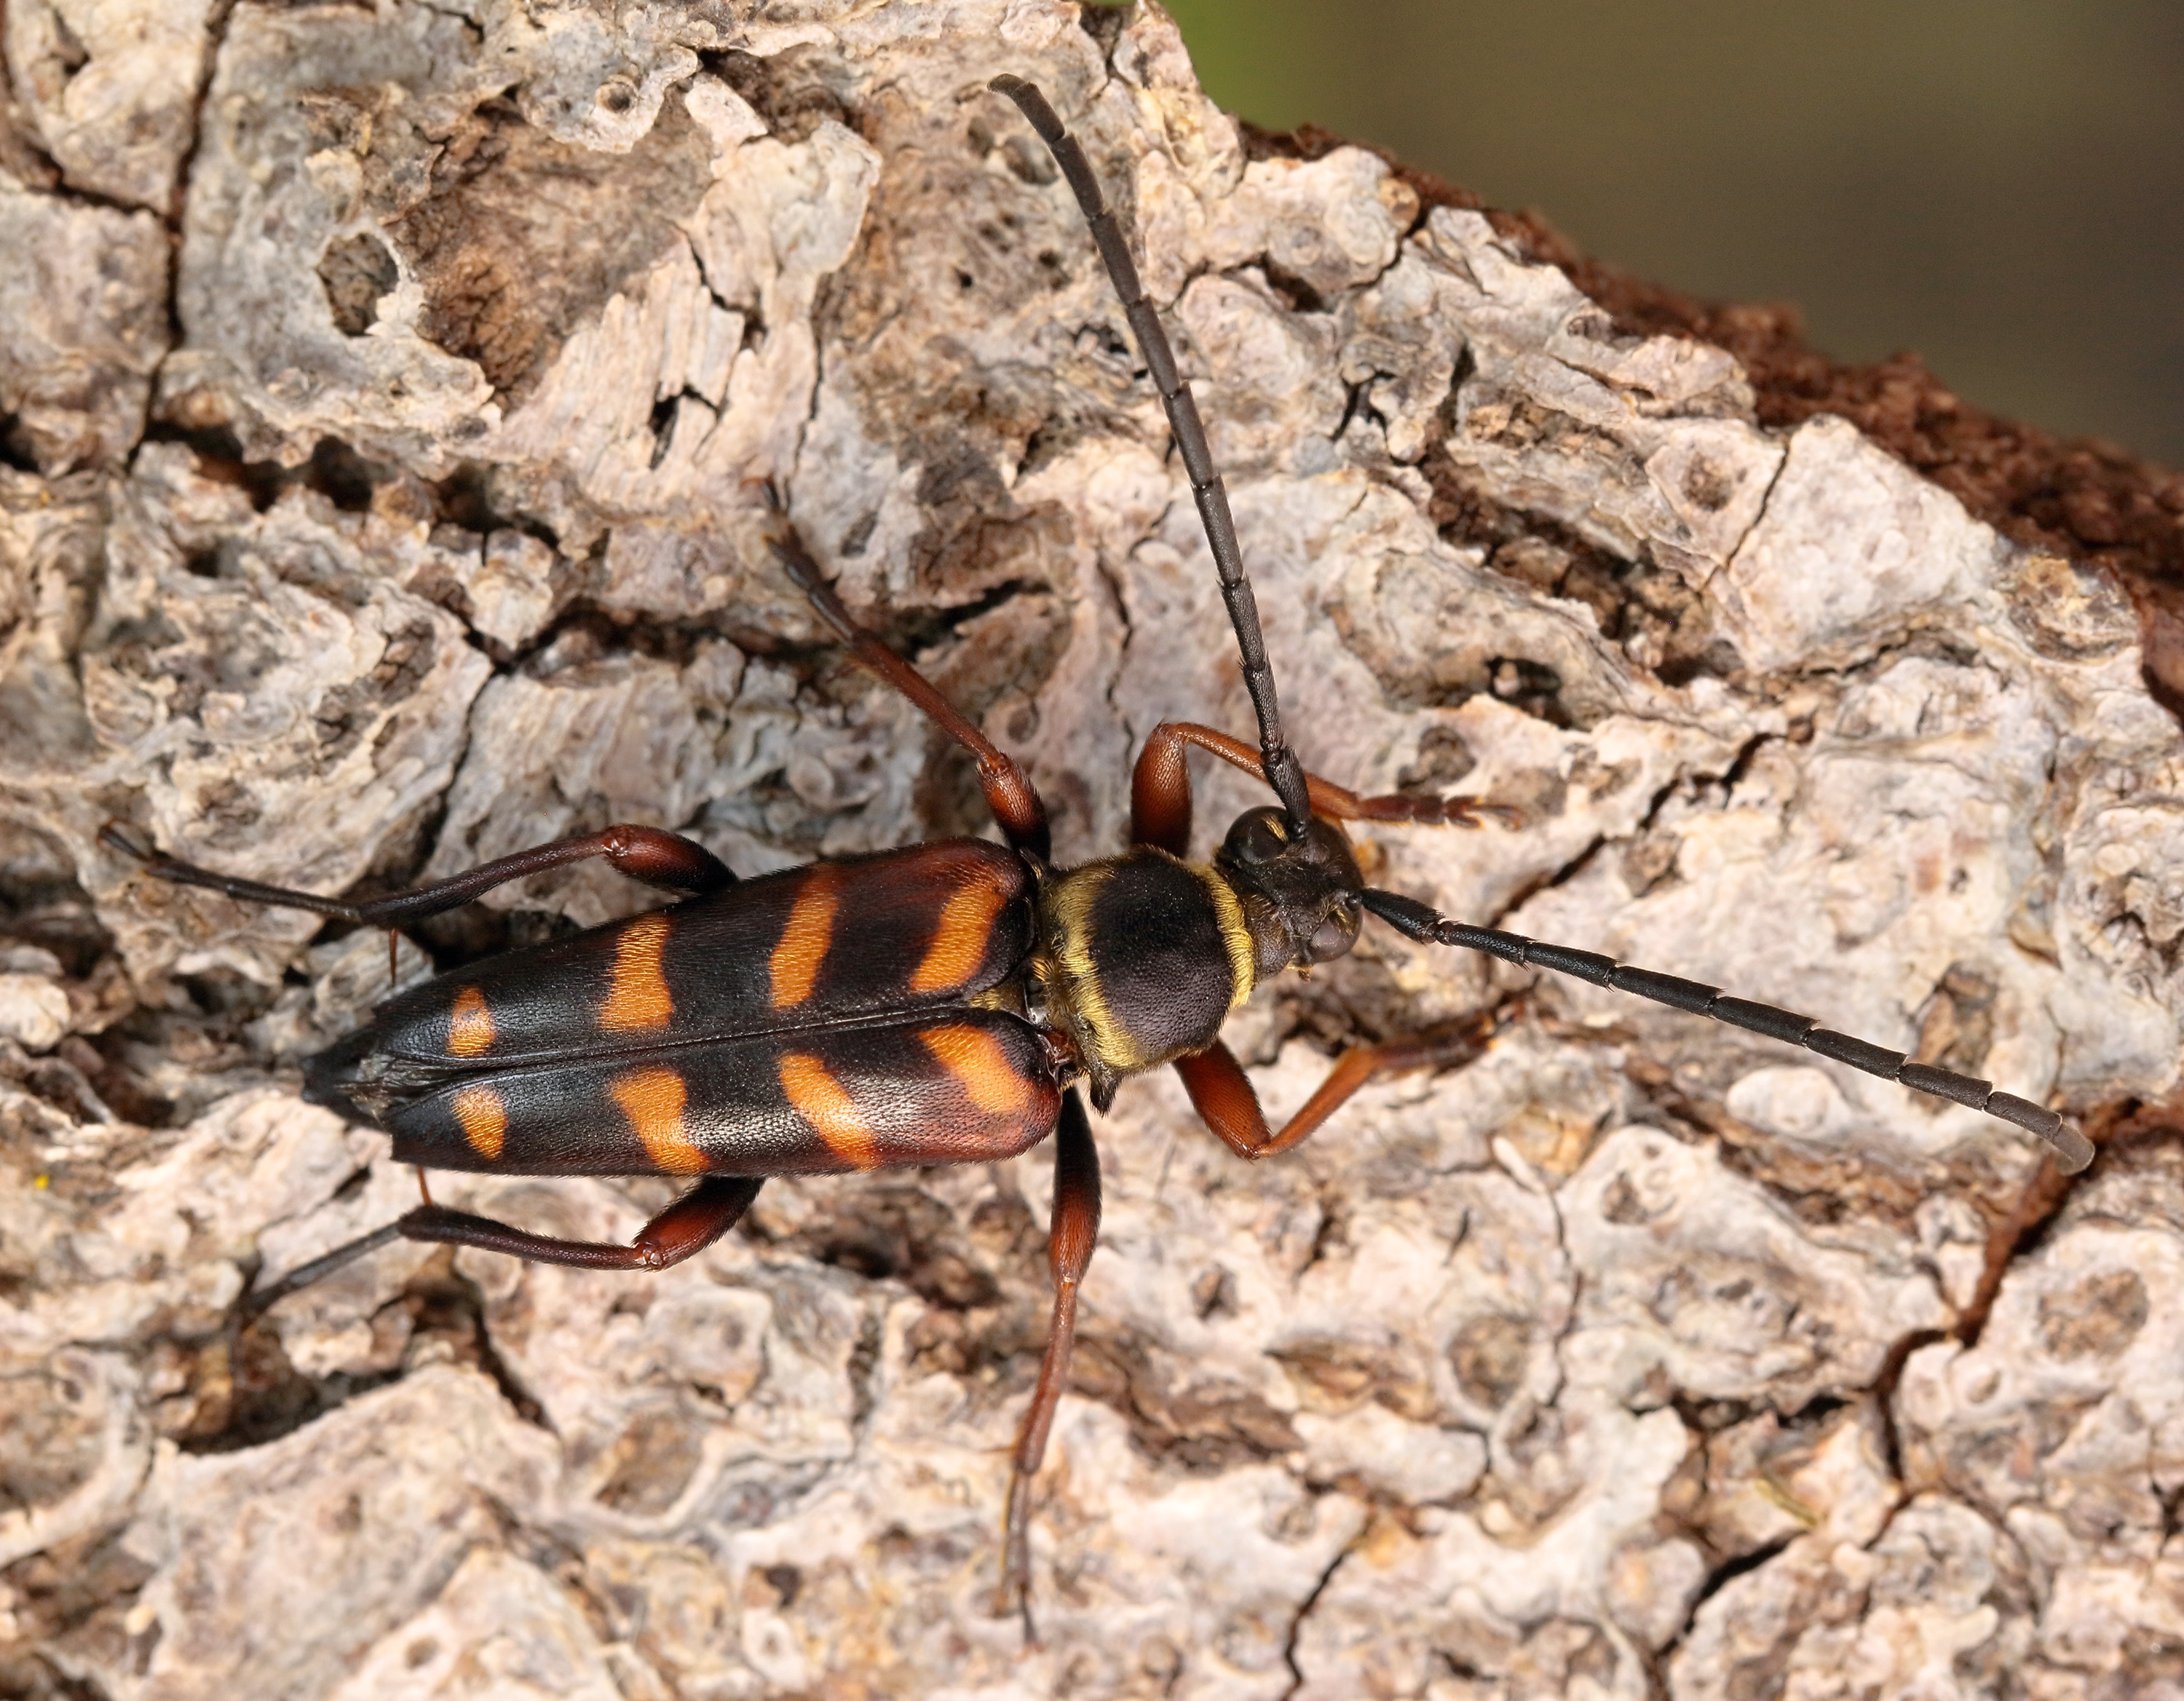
[[392, 398]]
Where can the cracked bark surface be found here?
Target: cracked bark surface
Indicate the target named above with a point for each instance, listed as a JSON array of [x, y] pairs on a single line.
[[387, 397]]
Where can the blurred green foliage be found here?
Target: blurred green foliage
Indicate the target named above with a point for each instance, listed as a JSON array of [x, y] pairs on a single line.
[[1997, 184]]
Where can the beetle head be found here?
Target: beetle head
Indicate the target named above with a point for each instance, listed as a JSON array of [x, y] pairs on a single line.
[[1301, 895]]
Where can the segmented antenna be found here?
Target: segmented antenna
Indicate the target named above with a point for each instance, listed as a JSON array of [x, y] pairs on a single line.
[[1420, 922], [1283, 771]]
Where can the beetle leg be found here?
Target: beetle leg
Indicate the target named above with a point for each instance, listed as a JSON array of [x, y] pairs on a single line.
[[1076, 1228], [666, 860], [689, 1226], [266, 1298], [1008, 789], [1160, 791], [1225, 1101]]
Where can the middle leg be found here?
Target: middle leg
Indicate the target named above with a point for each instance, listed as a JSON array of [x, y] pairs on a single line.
[[1016, 805], [1075, 1231]]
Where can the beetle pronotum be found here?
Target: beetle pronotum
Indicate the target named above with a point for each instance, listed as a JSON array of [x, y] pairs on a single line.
[[751, 1030]]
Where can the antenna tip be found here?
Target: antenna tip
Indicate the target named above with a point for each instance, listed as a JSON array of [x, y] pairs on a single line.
[[1032, 103], [2073, 1151]]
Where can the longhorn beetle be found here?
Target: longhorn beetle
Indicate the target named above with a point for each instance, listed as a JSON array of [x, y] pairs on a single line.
[[936, 1004]]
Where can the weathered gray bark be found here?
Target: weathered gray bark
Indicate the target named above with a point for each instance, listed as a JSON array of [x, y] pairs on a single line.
[[1637, 1353]]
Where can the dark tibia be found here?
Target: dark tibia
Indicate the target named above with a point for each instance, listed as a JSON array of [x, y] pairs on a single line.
[[266, 1298], [1016, 806], [666, 860], [1283, 771], [689, 1226], [2073, 1151]]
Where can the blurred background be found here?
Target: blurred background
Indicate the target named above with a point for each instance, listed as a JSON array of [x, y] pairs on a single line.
[[1996, 184]]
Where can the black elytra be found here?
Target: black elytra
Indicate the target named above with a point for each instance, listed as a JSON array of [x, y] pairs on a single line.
[[936, 1004]]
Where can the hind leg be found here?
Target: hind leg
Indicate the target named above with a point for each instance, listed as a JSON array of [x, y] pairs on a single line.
[[689, 1226], [666, 860]]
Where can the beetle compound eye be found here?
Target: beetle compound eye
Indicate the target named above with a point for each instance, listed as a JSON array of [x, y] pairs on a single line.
[[1259, 837]]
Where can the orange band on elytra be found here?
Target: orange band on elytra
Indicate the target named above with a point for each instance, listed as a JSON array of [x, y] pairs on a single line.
[[975, 1059], [961, 936], [470, 1024], [483, 1115], [653, 1100], [804, 940], [638, 998], [820, 1100]]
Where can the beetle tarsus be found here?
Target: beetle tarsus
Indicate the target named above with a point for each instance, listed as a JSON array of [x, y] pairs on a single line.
[[256, 1303]]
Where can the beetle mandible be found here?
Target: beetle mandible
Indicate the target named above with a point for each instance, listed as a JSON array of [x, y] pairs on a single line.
[[941, 1003]]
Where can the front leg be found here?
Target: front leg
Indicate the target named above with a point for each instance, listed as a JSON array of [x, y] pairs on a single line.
[[1160, 792], [1226, 1103]]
